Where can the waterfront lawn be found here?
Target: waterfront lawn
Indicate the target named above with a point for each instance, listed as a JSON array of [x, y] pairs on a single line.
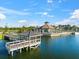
[[1, 36]]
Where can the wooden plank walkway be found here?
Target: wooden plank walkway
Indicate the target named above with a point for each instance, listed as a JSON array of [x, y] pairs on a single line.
[[20, 44]]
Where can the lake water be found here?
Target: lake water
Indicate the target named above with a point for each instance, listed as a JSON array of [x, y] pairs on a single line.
[[66, 47]]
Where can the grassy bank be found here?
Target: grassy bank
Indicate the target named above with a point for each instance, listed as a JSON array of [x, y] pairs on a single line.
[[1, 36]]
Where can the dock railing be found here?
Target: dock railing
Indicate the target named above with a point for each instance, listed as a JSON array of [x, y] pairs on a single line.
[[18, 45]]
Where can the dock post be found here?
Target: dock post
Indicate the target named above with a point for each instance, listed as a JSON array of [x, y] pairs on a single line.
[[20, 50], [12, 53], [26, 48], [8, 52]]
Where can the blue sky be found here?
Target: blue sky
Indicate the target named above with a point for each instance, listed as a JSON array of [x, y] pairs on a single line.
[[14, 13]]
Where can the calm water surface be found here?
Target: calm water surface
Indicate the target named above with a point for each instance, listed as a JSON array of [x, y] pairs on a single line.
[[66, 47]]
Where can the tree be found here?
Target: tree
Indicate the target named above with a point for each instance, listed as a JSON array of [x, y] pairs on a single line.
[[46, 22]]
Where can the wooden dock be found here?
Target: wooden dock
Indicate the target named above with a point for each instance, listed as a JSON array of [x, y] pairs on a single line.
[[32, 42], [19, 45]]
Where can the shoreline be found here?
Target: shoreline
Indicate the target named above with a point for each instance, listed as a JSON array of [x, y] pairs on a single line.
[[60, 34]]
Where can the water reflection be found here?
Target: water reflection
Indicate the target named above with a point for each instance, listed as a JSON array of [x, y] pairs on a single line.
[[66, 47]]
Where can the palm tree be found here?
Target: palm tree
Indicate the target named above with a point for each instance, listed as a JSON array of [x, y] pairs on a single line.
[[46, 22]]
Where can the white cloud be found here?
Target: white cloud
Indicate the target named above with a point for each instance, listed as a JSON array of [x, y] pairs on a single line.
[[42, 13], [75, 14], [49, 9], [66, 10], [50, 1], [55, 1], [25, 9], [50, 16], [64, 22], [45, 13], [72, 19], [2, 16], [28, 23], [22, 21], [60, 1], [33, 23], [11, 11]]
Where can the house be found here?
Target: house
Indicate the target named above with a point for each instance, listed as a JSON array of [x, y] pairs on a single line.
[[47, 29]]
